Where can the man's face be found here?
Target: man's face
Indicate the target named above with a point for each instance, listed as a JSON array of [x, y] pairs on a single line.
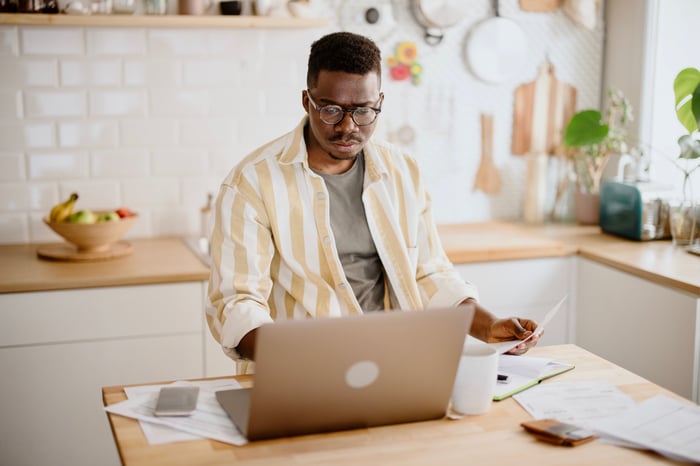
[[337, 144]]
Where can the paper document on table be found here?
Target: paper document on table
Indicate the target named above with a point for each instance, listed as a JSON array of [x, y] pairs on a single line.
[[574, 402], [505, 346], [524, 372], [666, 425], [208, 420]]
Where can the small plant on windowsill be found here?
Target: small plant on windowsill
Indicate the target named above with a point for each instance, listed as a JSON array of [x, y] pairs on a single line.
[[685, 217], [590, 139]]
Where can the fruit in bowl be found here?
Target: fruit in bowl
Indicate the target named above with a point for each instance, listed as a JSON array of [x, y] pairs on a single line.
[[90, 231]]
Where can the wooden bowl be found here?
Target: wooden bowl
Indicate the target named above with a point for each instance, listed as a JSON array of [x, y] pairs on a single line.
[[93, 237]]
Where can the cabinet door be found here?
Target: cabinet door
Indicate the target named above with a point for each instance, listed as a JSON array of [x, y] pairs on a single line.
[[59, 348], [647, 328], [526, 288]]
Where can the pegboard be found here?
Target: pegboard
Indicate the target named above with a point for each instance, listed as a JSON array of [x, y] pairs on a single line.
[[443, 110]]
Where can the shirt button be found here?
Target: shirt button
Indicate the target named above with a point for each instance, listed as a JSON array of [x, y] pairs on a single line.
[[320, 196], [342, 286], [327, 239]]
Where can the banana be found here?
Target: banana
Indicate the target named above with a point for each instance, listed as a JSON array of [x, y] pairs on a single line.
[[61, 211]]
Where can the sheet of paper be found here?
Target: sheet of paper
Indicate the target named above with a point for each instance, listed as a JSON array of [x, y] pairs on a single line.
[[505, 346], [523, 371], [574, 402], [665, 425], [209, 420]]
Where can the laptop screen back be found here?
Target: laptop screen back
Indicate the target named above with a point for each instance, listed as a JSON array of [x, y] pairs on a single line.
[[340, 373]]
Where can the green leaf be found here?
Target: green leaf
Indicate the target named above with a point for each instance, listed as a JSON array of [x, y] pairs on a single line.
[[685, 87], [585, 128], [690, 148]]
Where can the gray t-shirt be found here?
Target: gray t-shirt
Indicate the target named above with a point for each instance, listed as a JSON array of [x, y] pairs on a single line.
[[356, 249]]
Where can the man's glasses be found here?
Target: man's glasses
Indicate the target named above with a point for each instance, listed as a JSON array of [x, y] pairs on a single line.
[[334, 114]]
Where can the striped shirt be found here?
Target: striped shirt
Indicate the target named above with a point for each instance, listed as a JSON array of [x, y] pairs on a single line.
[[273, 251]]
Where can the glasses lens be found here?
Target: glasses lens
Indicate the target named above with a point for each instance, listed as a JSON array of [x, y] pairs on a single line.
[[364, 116], [331, 114]]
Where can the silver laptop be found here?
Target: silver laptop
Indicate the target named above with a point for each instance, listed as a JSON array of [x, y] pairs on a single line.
[[321, 375]]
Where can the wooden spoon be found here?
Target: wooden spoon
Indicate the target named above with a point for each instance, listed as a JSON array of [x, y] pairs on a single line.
[[487, 178]]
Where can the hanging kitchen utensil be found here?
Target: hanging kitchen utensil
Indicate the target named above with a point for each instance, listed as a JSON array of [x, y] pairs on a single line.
[[496, 48], [540, 6], [372, 18], [487, 177], [436, 15], [542, 108]]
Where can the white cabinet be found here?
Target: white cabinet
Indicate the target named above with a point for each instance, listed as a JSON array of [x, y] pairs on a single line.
[[642, 326], [527, 288], [58, 348]]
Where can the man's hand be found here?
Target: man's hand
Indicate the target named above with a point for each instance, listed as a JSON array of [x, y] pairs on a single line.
[[486, 327], [514, 328]]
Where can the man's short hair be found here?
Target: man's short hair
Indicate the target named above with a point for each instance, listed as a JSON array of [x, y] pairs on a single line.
[[343, 51]]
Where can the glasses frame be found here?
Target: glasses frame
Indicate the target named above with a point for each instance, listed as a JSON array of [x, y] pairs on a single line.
[[351, 111]]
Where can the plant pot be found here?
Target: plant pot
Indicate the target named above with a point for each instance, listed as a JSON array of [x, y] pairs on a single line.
[[587, 208]]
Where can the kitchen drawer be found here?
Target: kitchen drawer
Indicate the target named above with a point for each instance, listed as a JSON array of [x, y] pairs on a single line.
[[99, 313]]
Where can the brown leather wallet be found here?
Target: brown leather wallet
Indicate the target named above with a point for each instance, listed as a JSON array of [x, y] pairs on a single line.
[[558, 433]]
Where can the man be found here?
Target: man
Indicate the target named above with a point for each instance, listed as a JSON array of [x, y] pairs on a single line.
[[324, 221]]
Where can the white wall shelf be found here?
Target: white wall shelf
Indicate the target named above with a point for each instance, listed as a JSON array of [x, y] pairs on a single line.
[[168, 21]]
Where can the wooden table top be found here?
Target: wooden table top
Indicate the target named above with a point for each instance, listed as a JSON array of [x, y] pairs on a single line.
[[492, 438]]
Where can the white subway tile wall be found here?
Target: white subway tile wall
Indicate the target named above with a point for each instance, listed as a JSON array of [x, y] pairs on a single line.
[[154, 118]]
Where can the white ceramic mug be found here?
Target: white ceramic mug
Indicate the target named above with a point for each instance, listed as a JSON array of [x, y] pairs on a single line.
[[476, 379]]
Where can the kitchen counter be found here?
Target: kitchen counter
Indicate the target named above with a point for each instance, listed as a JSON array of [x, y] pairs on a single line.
[[154, 260], [163, 260]]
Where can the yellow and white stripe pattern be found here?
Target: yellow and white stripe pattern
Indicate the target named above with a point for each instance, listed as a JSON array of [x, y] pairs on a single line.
[[274, 254]]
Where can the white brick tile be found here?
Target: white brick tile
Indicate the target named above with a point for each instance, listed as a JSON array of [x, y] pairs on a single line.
[[58, 165], [28, 73], [177, 42], [209, 132], [118, 103], [10, 104], [180, 161], [91, 73], [39, 135], [39, 73], [151, 192], [154, 72], [214, 72], [9, 41], [94, 194], [176, 222], [42, 196], [12, 166], [142, 132], [234, 102], [88, 133], [54, 104], [14, 228], [121, 163], [116, 41], [280, 101], [52, 41], [11, 135], [39, 232], [172, 102], [14, 197], [196, 188], [223, 159], [240, 44]]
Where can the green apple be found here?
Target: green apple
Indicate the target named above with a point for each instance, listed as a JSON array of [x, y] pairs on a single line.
[[108, 217], [82, 216]]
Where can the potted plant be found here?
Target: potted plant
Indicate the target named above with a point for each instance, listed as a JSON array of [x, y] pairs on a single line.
[[685, 215], [589, 140]]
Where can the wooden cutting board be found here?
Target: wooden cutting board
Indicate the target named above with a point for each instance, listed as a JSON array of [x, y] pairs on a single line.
[[68, 252], [540, 6], [542, 109]]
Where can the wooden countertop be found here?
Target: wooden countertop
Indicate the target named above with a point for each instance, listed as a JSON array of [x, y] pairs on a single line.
[[163, 260], [154, 260], [492, 438]]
